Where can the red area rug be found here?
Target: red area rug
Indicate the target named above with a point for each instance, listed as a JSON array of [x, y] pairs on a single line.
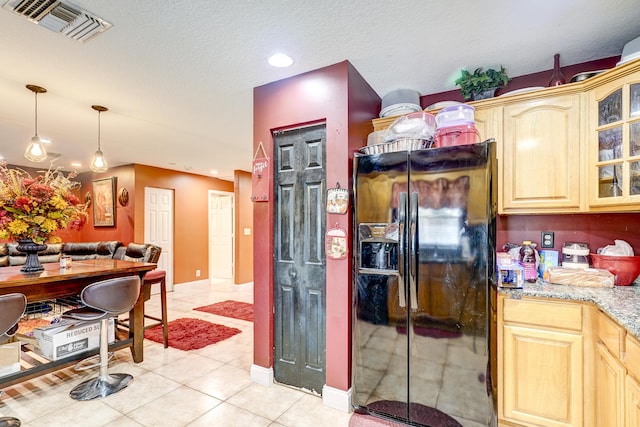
[[191, 334], [229, 308]]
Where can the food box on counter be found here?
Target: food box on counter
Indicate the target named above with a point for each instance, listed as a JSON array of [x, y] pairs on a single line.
[[510, 273], [548, 258], [10, 358], [69, 337], [589, 277]]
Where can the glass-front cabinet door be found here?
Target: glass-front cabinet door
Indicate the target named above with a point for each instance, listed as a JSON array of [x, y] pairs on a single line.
[[614, 163]]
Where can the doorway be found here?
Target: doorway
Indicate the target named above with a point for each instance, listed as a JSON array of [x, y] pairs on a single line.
[[221, 235], [299, 270], [158, 228]]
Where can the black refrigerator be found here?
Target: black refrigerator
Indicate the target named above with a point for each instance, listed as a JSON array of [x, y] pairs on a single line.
[[424, 248]]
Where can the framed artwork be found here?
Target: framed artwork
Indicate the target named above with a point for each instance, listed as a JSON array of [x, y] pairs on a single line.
[[104, 202]]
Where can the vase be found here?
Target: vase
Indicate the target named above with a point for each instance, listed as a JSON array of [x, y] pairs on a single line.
[[484, 94], [557, 78], [29, 247]]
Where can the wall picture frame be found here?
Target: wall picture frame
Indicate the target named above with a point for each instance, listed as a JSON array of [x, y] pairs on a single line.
[[104, 202]]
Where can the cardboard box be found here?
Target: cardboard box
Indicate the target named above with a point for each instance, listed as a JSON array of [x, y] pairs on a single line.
[[548, 259], [69, 337], [10, 358], [510, 273]]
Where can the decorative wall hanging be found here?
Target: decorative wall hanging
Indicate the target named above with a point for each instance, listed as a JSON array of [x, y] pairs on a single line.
[[335, 243], [261, 176], [87, 198], [337, 200], [123, 196], [104, 202]]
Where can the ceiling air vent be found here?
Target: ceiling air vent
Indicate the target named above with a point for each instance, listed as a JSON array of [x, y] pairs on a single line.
[[60, 17]]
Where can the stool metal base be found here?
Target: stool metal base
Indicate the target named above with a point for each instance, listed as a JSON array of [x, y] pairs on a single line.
[[9, 422], [103, 386]]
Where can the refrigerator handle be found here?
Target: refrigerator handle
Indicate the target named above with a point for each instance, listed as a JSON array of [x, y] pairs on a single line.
[[402, 223], [413, 251]]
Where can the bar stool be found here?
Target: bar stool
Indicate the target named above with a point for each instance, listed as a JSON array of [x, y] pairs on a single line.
[[104, 299], [154, 277], [151, 278], [12, 308]]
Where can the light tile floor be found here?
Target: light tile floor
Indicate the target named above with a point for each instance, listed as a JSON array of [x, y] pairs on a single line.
[[206, 387]]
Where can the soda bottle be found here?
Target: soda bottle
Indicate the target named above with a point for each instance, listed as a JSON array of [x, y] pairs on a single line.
[[528, 262]]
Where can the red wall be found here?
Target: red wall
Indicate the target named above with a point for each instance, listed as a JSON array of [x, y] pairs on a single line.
[[595, 229], [529, 80], [340, 97]]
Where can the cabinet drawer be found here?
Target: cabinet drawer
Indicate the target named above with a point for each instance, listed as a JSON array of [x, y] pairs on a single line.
[[632, 358], [610, 334], [560, 315]]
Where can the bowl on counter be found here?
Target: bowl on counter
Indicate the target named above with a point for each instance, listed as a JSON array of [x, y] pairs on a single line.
[[625, 268]]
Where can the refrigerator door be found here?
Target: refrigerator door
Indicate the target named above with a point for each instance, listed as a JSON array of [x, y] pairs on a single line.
[[420, 334], [452, 195], [380, 313]]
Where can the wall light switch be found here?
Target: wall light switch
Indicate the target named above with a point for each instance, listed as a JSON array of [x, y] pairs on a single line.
[[247, 232], [547, 239]]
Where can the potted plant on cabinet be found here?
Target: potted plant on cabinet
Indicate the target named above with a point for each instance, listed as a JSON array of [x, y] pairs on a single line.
[[481, 84]]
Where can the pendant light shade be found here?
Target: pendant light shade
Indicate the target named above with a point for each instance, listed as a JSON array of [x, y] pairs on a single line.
[[99, 163], [35, 150]]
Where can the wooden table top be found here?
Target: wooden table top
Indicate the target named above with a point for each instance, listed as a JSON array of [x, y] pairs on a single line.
[[12, 276]]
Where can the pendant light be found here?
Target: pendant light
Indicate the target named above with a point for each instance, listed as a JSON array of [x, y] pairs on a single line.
[[99, 164], [35, 150]]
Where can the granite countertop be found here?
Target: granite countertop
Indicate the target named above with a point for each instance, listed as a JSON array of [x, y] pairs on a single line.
[[622, 303]]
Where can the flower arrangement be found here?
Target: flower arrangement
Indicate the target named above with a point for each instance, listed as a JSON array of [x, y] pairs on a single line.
[[37, 208]]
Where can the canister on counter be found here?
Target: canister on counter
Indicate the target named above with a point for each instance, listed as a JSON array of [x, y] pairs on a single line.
[[65, 261]]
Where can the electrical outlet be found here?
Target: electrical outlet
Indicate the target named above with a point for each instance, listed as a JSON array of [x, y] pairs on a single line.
[[197, 273], [547, 239]]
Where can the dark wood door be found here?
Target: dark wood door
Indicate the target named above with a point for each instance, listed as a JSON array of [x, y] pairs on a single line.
[[299, 294]]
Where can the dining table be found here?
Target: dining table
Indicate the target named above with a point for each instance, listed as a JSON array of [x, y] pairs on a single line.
[[59, 282]]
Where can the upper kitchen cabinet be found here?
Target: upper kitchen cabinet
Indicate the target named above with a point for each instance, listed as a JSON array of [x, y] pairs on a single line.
[[541, 155], [614, 142]]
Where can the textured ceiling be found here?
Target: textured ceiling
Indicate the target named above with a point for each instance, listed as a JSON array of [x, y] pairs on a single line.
[[178, 76]]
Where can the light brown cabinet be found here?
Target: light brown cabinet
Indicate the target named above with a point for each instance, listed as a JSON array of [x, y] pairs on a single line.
[[614, 149], [540, 362]]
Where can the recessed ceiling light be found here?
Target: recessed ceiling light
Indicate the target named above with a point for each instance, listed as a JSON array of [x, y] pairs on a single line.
[[76, 164], [213, 172], [280, 60]]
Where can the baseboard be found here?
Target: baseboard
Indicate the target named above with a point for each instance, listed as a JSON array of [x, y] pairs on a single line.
[[336, 399], [262, 375]]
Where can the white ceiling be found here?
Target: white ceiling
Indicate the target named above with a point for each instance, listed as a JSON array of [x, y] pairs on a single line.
[[178, 76]]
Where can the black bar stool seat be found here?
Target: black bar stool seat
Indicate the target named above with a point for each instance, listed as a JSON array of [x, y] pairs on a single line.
[[103, 300]]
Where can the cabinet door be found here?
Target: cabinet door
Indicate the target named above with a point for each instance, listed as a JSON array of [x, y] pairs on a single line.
[[632, 403], [542, 377], [610, 384], [541, 156], [614, 144]]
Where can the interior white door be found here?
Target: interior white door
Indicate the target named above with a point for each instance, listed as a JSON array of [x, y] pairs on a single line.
[[221, 235], [158, 228]]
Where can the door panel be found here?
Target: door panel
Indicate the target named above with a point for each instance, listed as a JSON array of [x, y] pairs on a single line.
[[221, 235], [158, 229], [299, 278]]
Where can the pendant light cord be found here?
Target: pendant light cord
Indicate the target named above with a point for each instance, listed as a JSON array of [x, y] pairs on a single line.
[[36, 115], [99, 112]]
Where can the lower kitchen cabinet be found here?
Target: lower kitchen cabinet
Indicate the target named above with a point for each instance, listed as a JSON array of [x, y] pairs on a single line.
[[632, 402], [610, 386], [540, 366]]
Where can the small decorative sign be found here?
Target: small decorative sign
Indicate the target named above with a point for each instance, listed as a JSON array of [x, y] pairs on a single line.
[[260, 177], [335, 242], [337, 200]]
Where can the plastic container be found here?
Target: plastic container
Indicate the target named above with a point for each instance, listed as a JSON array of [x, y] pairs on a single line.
[[462, 134], [625, 268], [528, 262], [455, 115], [419, 125]]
